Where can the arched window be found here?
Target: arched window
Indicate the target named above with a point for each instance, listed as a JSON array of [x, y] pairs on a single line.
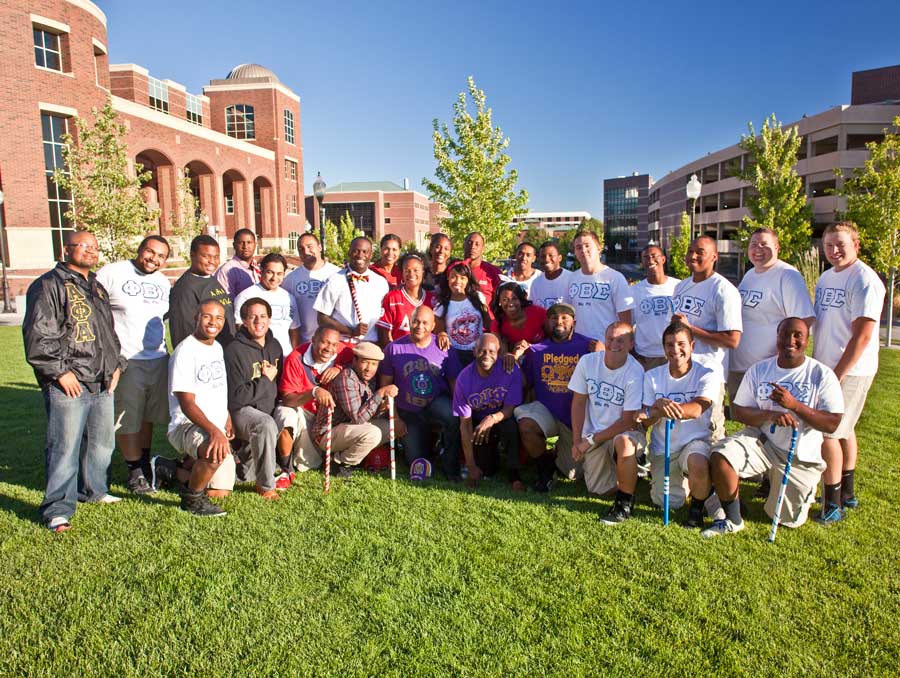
[[239, 121], [288, 126]]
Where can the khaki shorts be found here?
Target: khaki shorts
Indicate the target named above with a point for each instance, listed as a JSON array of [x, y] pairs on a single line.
[[750, 454], [551, 427], [600, 462], [305, 454], [142, 395], [678, 473], [187, 439], [855, 390]]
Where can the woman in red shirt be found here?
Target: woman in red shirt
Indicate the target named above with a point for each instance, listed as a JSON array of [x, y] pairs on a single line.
[[399, 305], [386, 266], [517, 322]]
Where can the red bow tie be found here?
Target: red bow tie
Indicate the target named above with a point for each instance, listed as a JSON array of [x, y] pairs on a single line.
[[356, 277]]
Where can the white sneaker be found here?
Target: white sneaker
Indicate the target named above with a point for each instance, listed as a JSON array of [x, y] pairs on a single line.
[[720, 527], [109, 499]]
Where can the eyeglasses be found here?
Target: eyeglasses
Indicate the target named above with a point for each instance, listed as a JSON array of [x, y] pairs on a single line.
[[84, 246]]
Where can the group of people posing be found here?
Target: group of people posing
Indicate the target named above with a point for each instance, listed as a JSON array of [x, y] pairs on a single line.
[[483, 369]]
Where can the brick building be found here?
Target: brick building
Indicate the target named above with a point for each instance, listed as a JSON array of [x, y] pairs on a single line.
[[240, 139]]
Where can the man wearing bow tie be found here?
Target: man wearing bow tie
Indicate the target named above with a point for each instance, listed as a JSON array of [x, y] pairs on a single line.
[[350, 300]]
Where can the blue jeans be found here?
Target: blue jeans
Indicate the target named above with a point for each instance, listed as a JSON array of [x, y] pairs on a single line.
[[418, 429], [78, 448]]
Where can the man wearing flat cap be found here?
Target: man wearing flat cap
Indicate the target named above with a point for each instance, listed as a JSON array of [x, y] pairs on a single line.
[[547, 367], [359, 423]]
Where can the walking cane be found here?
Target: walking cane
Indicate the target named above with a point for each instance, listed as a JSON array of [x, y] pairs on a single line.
[[328, 451], [667, 456], [784, 482], [393, 437]]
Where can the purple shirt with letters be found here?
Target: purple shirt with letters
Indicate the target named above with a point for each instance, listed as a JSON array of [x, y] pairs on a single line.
[[418, 372], [477, 397], [548, 366]]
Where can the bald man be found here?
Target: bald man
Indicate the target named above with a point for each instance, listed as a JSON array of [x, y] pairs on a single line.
[[71, 344]]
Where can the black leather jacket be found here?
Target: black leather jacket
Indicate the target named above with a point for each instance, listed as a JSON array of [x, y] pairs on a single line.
[[68, 326]]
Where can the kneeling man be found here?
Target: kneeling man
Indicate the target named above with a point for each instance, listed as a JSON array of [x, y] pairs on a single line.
[[682, 390], [776, 395], [200, 425], [607, 388]]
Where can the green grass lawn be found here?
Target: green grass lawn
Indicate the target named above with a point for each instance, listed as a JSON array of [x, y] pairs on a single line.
[[383, 578]]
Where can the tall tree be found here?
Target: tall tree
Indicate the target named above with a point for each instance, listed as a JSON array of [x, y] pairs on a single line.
[[678, 248], [535, 234], [187, 220], [873, 203], [338, 238], [106, 197], [780, 201], [472, 180]]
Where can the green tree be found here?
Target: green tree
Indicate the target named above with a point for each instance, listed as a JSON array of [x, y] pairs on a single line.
[[187, 220], [873, 204], [678, 248], [780, 201], [338, 238], [106, 198], [535, 234], [472, 180]]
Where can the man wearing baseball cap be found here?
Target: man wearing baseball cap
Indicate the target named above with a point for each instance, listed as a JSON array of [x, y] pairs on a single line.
[[547, 367], [358, 423]]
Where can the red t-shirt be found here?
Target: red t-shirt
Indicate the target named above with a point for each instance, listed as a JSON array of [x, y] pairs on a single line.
[[295, 377], [532, 330], [396, 310], [488, 277], [392, 277]]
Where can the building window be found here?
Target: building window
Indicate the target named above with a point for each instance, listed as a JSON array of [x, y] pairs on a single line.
[[158, 92], [387, 205], [387, 220], [53, 127], [47, 50], [290, 170], [229, 204], [293, 239], [288, 126], [193, 109], [292, 204], [239, 122]]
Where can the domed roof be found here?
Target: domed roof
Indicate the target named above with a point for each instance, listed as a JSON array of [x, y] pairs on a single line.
[[251, 71]]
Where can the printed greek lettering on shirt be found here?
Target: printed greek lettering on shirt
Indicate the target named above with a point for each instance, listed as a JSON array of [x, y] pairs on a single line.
[[488, 398], [212, 373], [604, 394], [830, 297], [556, 371], [656, 306], [590, 290], [80, 312], [751, 298]]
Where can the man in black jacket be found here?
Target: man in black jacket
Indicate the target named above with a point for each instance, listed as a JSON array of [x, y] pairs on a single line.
[[71, 344], [252, 364]]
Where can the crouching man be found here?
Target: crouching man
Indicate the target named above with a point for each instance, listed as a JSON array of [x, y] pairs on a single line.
[[606, 399], [253, 363], [200, 425], [682, 390], [359, 422], [776, 395]]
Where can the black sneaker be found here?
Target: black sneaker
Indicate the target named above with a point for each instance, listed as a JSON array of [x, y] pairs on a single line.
[[341, 471], [137, 484], [694, 519], [198, 504], [163, 472], [618, 513], [762, 492], [544, 485]]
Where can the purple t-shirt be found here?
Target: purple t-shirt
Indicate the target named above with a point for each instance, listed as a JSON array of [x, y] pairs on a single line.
[[418, 372], [548, 366], [477, 397]]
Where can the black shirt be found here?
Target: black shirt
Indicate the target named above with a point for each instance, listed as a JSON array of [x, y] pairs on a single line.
[[188, 292]]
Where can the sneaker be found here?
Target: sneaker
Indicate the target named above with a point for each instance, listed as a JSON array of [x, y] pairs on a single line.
[[830, 514], [163, 472], [762, 492], [544, 485], [618, 513], [720, 527], [284, 480], [341, 471], [137, 484], [59, 524], [198, 504], [850, 503], [643, 466], [109, 499], [694, 518]]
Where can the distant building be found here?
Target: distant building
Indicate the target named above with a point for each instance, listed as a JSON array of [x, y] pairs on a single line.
[[555, 223], [625, 217], [380, 207], [835, 138]]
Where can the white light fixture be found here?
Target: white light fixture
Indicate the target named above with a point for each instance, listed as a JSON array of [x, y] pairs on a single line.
[[693, 187]]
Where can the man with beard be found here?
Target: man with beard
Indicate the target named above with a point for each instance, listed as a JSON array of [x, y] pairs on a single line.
[[350, 300], [139, 298], [776, 395], [547, 367], [304, 283]]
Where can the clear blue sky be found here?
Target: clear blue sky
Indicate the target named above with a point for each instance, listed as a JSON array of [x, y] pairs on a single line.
[[584, 91]]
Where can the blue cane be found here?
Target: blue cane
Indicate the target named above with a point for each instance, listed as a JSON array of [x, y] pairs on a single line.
[[667, 458], [784, 482]]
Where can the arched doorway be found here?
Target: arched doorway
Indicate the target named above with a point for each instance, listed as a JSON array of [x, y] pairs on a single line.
[[238, 203], [264, 207], [203, 188], [159, 189]]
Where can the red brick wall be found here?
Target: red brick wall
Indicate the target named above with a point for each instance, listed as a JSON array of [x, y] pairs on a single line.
[[875, 85]]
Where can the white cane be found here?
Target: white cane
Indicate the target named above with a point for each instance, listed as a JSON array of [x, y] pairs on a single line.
[[393, 437]]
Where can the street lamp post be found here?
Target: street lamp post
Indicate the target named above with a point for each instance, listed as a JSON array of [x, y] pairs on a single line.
[[693, 192], [6, 308], [319, 192]]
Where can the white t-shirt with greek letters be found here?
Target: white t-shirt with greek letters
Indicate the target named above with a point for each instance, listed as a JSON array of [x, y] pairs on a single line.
[[304, 285], [609, 392], [598, 299], [652, 314], [699, 382], [713, 305], [198, 368], [139, 302]]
